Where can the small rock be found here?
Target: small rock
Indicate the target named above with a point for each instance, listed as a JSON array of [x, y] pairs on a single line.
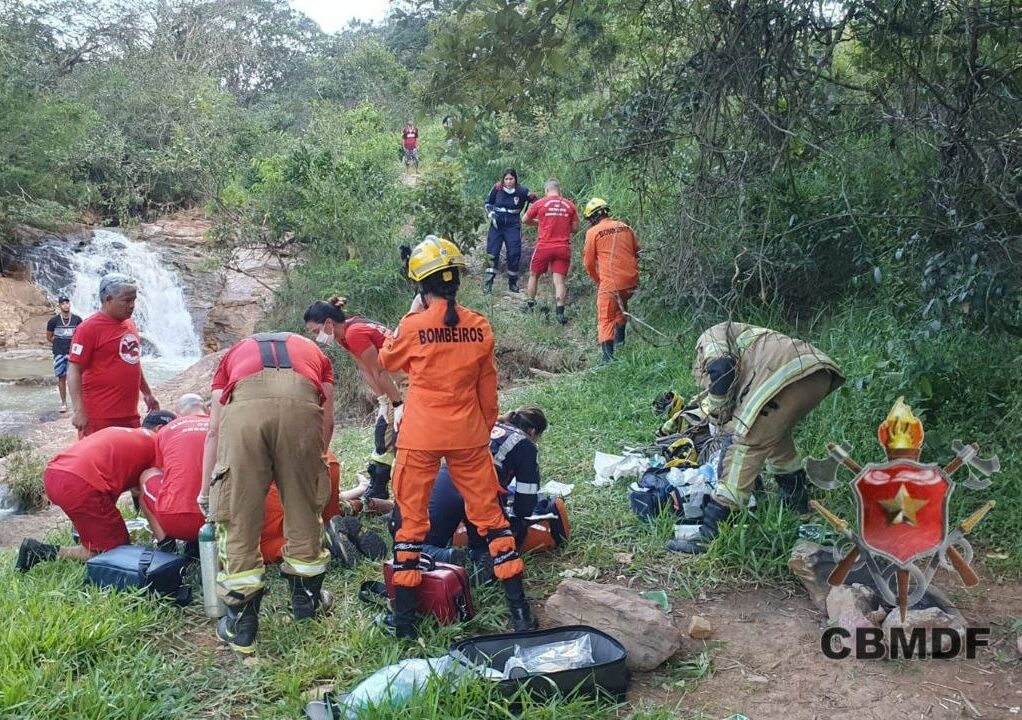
[[759, 679], [585, 573], [624, 558], [700, 628], [805, 561], [251, 661], [848, 606], [877, 617], [931, 617]]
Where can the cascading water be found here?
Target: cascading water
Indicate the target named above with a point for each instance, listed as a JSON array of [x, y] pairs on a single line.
[[160, 311]]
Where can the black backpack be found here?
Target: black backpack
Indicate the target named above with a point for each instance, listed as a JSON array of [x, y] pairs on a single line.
[[133, 566], [653, 494]]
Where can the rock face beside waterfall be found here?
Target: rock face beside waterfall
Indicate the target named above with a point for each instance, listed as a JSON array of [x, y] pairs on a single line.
[[226, 295], [26, 310]]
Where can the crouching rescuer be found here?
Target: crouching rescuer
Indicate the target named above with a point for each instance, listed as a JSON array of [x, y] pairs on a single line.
[[271, 421], [447, 352], [758, 384]]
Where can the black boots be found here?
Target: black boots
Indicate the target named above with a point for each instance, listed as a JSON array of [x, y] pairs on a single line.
[[561, 320], [379, 480], [512, 283], [308, 595], [619, 334], [481, 567], [608, 352], [522, 619], [32, 552], [794, 491], [401, 620], [239, 626], [713, 514], [349, 544]]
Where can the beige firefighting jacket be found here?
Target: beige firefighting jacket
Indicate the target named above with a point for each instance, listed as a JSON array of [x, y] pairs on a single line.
[[767, 362]]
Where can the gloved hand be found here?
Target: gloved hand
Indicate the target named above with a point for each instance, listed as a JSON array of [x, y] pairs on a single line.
[[399, 412], [383, 407], [203, 502]]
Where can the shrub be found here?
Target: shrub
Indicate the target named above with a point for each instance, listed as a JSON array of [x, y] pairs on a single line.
[[25, 479]]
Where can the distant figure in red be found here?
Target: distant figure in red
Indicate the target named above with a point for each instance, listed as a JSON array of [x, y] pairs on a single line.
[[105, 372], [410, 139]]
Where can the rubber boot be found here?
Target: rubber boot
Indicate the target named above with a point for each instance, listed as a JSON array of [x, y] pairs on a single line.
[[512, 284], [530, 306], [561, 320], [522, 619], [794, 491], [619, 334], [491, 275], [401, 620], [32, 552], [238, 628], [713, 514], [379, 480], [608, 352], [369, 544], [308, 596]]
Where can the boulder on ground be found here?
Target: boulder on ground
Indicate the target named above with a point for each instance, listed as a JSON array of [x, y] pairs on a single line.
[[850, 606], [646, 631], [807, 561], [931, 617], [700, 628]]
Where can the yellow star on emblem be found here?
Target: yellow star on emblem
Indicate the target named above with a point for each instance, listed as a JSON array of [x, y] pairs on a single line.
[[902, 508]]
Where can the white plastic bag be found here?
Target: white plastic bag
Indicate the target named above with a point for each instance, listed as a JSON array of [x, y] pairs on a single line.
[[395, 684], [552, 657], [612, 467]]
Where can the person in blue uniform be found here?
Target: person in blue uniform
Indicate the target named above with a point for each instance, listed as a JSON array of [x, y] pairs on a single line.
[[504, 206]]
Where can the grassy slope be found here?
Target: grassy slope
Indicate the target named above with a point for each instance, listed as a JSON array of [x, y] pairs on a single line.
[[72, 651]]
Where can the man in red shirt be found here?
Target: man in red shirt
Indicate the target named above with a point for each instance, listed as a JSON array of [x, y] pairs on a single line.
[[170, 486], [85, 482], [271, 421], [105, 371], [557, 219], [410, 139]]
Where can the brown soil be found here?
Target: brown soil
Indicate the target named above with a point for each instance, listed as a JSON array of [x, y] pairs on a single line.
[[767, 664]]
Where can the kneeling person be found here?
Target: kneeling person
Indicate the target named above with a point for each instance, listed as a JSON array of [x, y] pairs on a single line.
[[85, 482]]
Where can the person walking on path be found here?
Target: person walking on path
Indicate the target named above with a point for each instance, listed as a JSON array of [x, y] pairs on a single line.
[[59, 330], [504, 206], [557, 219]]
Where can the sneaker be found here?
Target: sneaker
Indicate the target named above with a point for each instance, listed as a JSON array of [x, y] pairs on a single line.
[[63, 408], [529, 306], [340, 545], [33, 552]]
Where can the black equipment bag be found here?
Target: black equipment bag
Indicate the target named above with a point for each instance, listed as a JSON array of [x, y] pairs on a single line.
[[653, 493], [133, 566], [607, 674]]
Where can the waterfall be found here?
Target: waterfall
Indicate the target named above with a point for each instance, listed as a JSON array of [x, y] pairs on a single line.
[[160, 311]]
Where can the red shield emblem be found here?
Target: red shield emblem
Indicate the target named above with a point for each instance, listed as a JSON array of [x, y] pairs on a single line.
[[902, 509]]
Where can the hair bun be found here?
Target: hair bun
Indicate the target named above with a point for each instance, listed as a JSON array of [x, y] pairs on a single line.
[[338, 301], [406, 252]]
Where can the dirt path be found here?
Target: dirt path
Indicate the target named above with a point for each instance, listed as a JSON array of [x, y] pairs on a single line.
[[768, 666]]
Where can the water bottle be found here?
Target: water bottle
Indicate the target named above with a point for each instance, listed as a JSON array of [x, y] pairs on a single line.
[[211, 603]]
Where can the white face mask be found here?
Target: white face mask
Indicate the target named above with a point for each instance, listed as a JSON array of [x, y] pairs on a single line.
[[510, 190], [325, 338]]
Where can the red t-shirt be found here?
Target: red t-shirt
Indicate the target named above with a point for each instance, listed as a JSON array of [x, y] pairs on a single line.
[[179, 447], [244, 359], [411, 137], [556, 216], [109, 353], [110, 459], [361, 334]]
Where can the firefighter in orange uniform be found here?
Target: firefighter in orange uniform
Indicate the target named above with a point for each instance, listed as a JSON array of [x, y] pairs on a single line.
[[611, 257], [447, 352]]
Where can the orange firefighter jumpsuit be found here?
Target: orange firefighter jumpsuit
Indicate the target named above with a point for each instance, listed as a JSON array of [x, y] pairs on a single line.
[[611, 257], [450, 407]]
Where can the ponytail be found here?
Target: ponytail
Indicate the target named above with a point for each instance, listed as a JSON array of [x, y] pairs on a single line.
[[332, 309], [528, 418], [451, 316], [445, 285]]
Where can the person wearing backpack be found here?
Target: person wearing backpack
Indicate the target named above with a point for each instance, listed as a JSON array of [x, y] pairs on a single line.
[[363, 339], [447, 352]]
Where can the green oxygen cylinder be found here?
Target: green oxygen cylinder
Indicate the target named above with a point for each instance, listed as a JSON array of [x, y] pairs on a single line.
[[209, 564]]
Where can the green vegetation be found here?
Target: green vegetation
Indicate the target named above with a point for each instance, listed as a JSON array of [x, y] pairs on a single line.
[[23, 473]]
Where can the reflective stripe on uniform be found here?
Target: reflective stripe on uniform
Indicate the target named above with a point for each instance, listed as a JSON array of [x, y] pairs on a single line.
[[785, 468], [717, 348], [526, 488], [247, 580], [309, 569], [773, 385], [511, 440], [729, 488]]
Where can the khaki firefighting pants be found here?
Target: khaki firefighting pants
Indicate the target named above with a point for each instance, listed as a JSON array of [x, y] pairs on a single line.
[[769, 442], [473, 474], [270, 430]]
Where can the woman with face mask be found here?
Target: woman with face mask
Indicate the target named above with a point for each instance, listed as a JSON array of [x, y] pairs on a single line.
[[504, 207], [327, 322]]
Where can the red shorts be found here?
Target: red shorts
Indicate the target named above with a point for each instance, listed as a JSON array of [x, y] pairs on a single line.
[[93, 512], [551, 257], [100, 423], [178, 525]]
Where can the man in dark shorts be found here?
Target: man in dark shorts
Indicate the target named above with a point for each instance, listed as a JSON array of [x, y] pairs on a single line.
[[59, 330]]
